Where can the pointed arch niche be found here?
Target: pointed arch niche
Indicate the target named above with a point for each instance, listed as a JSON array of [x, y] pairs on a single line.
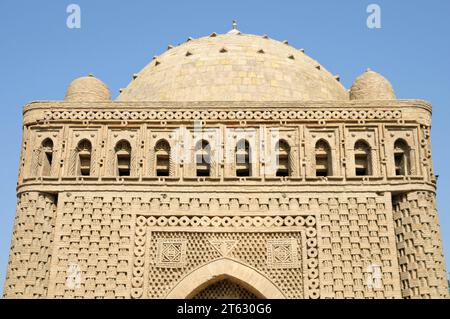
[[225, 269]]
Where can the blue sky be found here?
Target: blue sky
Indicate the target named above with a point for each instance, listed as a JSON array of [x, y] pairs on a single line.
[[39, 56]]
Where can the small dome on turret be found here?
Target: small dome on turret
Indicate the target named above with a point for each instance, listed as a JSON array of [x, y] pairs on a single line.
[[87, 89], [372, 86]]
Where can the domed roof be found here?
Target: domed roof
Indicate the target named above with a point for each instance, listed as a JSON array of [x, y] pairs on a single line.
[[371, 86], [233, 67], [87, 89]]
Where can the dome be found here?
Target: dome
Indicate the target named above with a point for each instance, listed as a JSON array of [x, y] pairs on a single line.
[[371, 86], [87, 89], [233, 67]]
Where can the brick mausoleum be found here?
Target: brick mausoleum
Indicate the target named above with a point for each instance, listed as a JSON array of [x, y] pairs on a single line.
[[232, 166]]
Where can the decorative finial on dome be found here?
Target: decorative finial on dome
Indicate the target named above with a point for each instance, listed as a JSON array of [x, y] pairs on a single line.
[[234, 29], [91, 75]]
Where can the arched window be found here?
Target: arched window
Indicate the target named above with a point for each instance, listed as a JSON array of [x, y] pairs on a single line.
[[243, 166], [323, 159], [162, 156], [123, 156], [402, 158], [203, 158], [47, 157], [84, 150], [363, 160], [282, 150]]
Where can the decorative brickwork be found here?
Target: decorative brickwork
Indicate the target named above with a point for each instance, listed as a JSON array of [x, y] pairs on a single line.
[[419, 246], [225, 289], [32, 246], [330, 195]]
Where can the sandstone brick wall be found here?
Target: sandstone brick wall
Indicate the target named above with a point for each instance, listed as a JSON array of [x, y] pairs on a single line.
[[32, 246], [299, 236], [419, 246]]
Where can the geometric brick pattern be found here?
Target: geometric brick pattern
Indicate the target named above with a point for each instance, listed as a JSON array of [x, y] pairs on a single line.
[[419, 246], [95, 235], [171, 253], [32, 245], [355, 234], [250, 249], [334, 254], [283, 253], [128, 222], [225, 289]]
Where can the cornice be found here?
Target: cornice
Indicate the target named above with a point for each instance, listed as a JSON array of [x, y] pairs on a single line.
[[243, 105], [241, 112]]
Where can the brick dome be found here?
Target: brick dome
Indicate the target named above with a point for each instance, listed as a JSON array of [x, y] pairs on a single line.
[[233, 67], [87, 89], [371, 86]]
